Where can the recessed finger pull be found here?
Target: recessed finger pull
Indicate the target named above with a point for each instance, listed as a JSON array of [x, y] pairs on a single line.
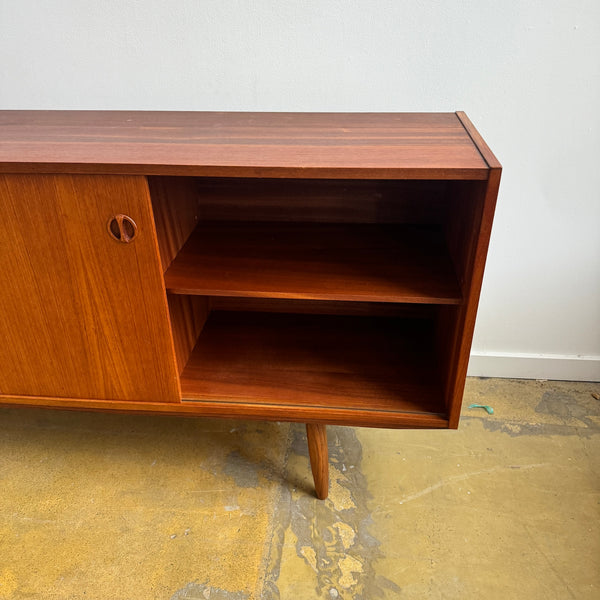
[[122, 228]]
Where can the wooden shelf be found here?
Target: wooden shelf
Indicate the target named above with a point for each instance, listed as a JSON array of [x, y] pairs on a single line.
[[334, 369], [317, 261]]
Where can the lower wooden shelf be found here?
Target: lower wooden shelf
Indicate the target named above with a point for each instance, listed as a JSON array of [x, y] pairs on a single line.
[[370, 371]]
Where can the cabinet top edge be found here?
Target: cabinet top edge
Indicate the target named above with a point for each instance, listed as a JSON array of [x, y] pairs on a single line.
[[249, 144]]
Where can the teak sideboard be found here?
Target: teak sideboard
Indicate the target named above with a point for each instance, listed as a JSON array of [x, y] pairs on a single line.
[[311, 267]]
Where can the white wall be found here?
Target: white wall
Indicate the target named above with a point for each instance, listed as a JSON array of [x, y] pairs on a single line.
[[527, 73]]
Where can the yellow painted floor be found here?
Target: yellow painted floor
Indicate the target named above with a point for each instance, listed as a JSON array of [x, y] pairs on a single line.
[[119, 507]]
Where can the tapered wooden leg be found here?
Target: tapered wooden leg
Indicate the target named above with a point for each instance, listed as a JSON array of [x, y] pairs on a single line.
[[319, 458]]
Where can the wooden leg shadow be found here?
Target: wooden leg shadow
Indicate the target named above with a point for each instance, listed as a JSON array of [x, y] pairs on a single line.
[[319, 458]]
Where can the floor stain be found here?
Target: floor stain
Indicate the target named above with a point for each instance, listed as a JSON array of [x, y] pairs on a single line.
[[517, 428], [570, 407], [577, 415], [243, 471], [203, 591], [332, 536]]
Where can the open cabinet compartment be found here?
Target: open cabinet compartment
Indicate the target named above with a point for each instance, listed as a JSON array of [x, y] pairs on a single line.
[[331, 367], [333, 301]]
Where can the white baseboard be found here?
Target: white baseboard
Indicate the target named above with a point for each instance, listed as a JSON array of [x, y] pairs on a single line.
[[534, 366]]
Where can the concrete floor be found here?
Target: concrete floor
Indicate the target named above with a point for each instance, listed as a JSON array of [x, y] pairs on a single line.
[[121, 507]]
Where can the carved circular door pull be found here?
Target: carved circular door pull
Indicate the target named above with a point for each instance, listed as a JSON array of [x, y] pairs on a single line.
[[122, 228]]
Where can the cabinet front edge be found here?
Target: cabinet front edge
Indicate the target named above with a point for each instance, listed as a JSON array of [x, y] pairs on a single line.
[[208, 409], [416, 173], [479, 142]]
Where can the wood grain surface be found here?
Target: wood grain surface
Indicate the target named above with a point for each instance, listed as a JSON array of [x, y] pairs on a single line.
[[320, 261], [316, 435], [81, 315], [175, 205], [323, 307], [486, 197], [235, 410], [187, 315], [297, 145], [318, 200], [315, 365]]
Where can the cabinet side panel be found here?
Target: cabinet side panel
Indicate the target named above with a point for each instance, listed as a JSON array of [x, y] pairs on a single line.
[[465, 203], [175, 202], [83, 315], [188, 315], [468, 230]]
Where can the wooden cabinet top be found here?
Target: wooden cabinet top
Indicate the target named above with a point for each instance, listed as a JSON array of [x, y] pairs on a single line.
[[219, 144]]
